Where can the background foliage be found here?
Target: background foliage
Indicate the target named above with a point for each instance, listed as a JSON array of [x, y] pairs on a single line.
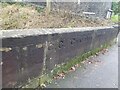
[[116, 7]]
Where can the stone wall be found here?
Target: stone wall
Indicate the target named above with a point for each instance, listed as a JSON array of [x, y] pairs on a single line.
[[24, 52], [99, 8]]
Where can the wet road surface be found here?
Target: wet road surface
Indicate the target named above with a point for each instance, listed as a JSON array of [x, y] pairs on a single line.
[[96, 72]]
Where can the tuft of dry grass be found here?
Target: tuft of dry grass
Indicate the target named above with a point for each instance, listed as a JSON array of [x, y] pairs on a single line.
[[16, 16]]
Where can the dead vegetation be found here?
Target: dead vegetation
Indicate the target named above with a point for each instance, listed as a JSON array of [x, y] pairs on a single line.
[[16, 16]]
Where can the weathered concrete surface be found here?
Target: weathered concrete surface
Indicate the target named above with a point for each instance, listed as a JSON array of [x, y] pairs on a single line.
[[19, 33], [101, 73], [23, 50]]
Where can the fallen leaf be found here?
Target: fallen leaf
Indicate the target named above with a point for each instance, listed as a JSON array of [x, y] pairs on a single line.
[[77, 65], [90, 62], [61, 74], [73, 68], [97, 54], [43, 85]]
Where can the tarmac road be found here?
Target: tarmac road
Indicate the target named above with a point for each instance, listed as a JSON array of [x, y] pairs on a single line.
[[97, 72]]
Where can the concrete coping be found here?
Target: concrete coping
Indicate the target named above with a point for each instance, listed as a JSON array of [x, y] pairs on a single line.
[[20, 33]]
